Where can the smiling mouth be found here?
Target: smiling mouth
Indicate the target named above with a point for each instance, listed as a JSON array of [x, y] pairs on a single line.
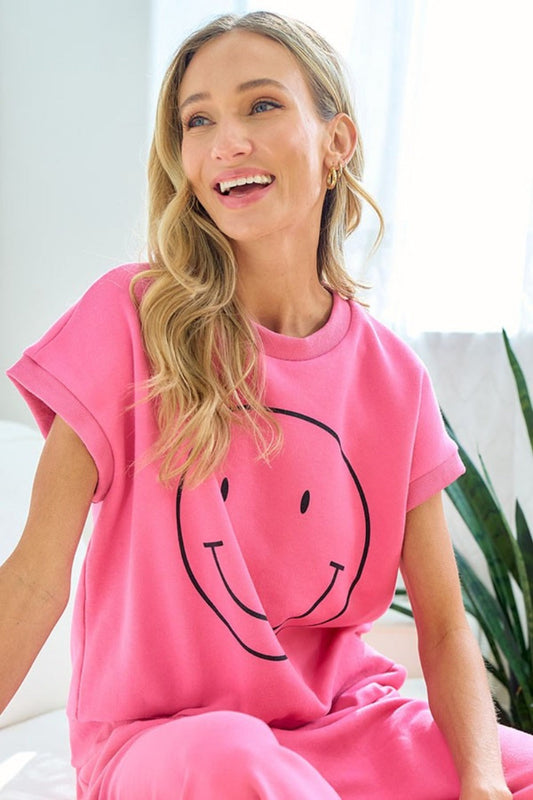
[[240, 186]]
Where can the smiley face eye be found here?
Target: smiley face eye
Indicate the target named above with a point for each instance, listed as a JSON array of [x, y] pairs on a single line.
[[304, 502], [224, 489]]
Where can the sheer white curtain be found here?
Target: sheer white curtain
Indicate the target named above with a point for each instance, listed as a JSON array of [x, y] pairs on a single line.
[[443, 96], [460, 255], [465, 172]]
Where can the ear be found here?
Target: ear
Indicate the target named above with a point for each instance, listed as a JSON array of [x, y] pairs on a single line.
[[342, 141]]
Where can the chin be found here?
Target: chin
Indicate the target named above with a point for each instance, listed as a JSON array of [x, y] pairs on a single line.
[[242, 233]]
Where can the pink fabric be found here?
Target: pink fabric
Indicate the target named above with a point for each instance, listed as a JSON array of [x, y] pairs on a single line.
[[399, 753], [246, 594]]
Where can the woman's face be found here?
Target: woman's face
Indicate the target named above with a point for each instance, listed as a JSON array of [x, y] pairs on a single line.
[[248, 115]]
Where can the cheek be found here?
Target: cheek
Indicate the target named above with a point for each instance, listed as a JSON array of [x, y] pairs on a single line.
[[186, 162], [308, 179], [191, 162], [307, 158]]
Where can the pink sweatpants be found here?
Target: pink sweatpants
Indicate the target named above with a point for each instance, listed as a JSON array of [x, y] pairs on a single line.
[[226, 755]]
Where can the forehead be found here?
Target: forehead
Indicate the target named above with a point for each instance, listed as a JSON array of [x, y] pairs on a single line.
[[239, 56]]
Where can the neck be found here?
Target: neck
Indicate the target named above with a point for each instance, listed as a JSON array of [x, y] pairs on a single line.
[[281, 290]]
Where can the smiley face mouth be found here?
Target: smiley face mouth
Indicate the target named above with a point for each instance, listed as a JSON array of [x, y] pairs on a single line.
[[214, 546], [337, 568]]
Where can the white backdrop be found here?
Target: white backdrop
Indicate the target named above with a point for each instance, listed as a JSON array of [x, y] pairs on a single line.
[[74, 85]]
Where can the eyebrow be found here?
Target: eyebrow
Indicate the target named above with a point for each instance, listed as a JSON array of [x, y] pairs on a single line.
[[256, 83]]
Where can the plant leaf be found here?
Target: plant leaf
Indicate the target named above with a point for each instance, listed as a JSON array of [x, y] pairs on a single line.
[[503, 714], [483, 516], [488, 482], [489, 527], [485, 608], [401, 609], [525, 548], [501, 677], [521, 385], [494, 624]]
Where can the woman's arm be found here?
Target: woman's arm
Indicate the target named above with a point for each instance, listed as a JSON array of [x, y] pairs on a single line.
[[35, 579], [458, 691]]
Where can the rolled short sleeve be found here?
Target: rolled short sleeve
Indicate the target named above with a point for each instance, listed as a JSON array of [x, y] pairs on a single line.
[[82, 369], [435, 459]]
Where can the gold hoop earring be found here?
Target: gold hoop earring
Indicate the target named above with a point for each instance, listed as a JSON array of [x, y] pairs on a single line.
[[333, 176]]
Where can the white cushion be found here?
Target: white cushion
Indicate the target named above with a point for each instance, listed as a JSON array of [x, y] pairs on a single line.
[[35, 761]]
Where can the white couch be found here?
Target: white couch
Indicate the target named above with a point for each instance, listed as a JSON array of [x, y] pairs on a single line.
[[34, 751]]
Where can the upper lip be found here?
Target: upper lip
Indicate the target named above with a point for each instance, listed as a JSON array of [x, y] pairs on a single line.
[[233, 174]]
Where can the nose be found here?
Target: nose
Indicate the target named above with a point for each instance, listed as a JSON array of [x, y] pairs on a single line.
[[231, 140]]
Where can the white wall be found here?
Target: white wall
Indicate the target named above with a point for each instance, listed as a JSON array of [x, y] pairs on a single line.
[[74, 123]]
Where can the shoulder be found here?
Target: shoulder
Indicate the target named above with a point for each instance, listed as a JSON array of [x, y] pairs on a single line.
[[382, 347], [115, 283], [104, 315], [109, 296]]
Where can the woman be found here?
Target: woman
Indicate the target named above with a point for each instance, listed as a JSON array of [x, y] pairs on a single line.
[[262, 457]]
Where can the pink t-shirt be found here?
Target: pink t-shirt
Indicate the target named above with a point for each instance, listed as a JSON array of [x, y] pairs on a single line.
[[247, 592]]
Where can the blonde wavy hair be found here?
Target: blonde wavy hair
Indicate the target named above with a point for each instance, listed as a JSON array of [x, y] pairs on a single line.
[[203, 350]]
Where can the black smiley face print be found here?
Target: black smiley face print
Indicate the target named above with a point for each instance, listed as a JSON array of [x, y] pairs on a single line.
[[278, 545]]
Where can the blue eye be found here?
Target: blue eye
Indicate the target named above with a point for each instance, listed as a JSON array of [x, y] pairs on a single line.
[[196, 122], [264, 105]]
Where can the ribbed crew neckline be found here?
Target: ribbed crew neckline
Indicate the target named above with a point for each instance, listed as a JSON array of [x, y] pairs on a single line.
[[294, 348]]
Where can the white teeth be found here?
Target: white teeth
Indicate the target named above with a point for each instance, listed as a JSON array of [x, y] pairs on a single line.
[[225, 186]]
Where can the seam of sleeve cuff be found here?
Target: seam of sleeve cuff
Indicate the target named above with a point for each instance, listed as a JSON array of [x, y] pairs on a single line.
[[52, 396], [442, 475]]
